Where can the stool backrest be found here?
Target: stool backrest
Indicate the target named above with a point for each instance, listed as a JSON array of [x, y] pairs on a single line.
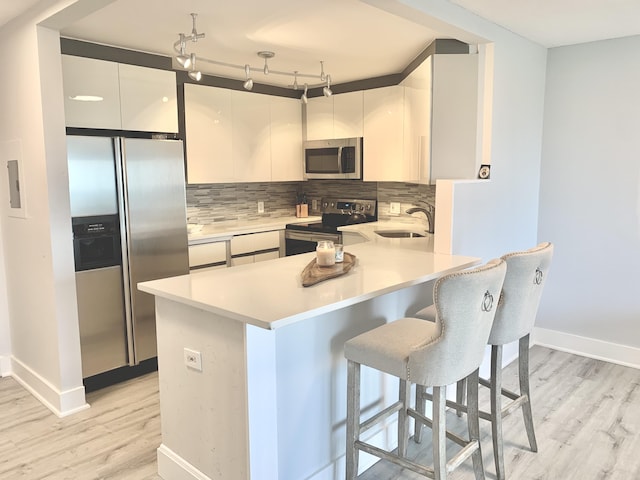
[[465, 307], [521, 292]]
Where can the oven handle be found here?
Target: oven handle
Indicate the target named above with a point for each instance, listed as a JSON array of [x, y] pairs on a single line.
[[312, 236]]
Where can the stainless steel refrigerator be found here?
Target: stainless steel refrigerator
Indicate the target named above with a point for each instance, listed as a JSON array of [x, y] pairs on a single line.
[[129, 217]]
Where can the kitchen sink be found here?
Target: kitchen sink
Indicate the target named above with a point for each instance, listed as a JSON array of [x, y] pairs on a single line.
[[398, 234]]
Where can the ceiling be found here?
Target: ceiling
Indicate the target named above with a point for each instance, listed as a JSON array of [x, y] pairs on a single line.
[[360, 42]]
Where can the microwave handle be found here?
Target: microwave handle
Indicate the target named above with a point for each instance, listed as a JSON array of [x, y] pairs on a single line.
[[340, 159]]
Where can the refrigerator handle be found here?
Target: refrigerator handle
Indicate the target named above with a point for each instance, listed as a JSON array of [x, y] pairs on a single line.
[[123, 207]]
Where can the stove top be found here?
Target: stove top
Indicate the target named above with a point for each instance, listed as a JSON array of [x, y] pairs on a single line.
[[338, 212]]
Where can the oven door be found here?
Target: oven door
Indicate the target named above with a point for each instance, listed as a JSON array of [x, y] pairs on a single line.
[[297, 242]]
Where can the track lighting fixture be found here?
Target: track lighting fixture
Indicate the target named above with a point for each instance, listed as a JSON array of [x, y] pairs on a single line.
[[248, 83], [326, 91], [193, 73], [182, 58], [266, 55], [188, 61]]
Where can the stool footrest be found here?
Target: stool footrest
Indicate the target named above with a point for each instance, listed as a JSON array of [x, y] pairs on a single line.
[[504, 391], [403, 462], [427, 421], [378, 417]]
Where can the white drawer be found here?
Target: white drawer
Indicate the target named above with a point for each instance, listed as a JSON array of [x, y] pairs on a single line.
[[254, 242], [207, 253]]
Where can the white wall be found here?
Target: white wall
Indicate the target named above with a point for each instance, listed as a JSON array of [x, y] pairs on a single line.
[[590, 197], [37, 248]]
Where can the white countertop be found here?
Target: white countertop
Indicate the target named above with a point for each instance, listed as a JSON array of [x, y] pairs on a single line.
[[368, 232], [222, 231], [270, 294]]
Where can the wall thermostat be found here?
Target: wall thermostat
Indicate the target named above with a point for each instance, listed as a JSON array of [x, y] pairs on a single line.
[[484, 171]]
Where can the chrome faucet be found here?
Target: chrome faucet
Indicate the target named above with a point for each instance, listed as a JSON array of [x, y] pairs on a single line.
[[429, 213]]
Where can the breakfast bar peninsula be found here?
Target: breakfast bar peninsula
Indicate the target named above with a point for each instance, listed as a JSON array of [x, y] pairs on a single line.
[[251, 367]]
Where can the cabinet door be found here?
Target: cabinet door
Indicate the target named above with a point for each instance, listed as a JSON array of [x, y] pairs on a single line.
[[207, 253], [455, 117], [383, 135], [148, 99], [348, 115], [286, 139], [417, 122], [319, 118], [251, 137], [208, 120], [91, 93]]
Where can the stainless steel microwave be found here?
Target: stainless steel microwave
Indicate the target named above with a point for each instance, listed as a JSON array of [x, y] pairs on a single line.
[[338, 158]]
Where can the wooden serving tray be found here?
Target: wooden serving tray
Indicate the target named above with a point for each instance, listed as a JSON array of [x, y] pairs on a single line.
[[313, 273]]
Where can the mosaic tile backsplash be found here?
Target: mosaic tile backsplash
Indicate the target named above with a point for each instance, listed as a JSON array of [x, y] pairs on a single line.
[[211, 203]]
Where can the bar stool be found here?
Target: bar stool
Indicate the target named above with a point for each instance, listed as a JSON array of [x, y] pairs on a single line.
[[431, 354], [515, 316]]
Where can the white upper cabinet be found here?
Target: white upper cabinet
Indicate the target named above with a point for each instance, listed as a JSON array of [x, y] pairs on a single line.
[[148, 99], [101, 94], [383, 157], [348, 115], [251, 137], [209, 121], [417, 123], [91, 93], [338, 116], [454, 128], [286, 139], [319, 118], [235, 136]]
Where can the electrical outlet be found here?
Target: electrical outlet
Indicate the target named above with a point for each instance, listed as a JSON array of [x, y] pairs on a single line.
[[314, 205], [193, 359], [260, 207], [394, 208]]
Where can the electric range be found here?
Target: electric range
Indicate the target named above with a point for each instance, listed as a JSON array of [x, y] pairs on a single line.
[[336, 212]]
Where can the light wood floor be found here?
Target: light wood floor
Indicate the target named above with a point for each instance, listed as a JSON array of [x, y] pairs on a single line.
[[587, 416]]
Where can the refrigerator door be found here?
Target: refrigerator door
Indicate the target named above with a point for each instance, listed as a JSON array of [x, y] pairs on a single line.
[[156, 229], [92, 178], [101, 317]]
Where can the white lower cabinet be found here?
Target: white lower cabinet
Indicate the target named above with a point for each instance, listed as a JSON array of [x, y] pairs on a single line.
[[207, 256], [255, 247]]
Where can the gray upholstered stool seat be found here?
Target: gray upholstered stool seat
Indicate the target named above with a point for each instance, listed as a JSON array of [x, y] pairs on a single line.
[[430, 354], [514, 320]]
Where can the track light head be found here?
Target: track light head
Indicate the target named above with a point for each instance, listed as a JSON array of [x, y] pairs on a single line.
[[326, 91], [193, 73], [248, 83]]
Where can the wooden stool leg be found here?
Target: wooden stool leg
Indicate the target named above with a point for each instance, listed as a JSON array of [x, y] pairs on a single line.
[[496, 409], [353, 418], [473, 422], [460, 394], [403, 418], [421, 403], [523, 375], [439, 433]]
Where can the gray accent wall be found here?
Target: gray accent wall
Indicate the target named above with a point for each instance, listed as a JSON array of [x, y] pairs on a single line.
[[210, 203]]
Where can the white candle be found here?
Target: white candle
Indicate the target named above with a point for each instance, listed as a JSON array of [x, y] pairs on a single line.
[[325, 254]]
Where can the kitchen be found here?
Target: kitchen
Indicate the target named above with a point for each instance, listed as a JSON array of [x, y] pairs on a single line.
[[514, 153]]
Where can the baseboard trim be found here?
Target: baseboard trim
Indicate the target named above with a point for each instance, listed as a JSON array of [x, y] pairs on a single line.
[[587, 347], [62, 404], [173, 466], [5, 366]]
